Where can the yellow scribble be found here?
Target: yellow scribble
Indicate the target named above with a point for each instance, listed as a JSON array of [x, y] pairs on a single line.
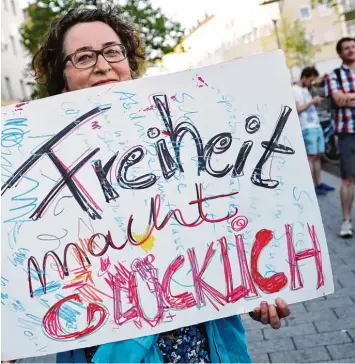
[[148, 244]]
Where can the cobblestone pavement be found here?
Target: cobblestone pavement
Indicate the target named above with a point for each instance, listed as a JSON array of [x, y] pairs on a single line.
[[320, 330]]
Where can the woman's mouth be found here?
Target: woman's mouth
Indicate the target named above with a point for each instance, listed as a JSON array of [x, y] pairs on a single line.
[[103, 82]]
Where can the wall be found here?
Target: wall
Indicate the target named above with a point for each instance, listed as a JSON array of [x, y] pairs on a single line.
[[324, 27], [247, 29], [14, 62]]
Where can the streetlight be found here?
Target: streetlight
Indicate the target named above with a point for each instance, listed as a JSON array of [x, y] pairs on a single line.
[[277, 33], [268, 2]]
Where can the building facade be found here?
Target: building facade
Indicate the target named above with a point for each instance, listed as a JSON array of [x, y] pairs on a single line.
[[14, 61], [221, 38]]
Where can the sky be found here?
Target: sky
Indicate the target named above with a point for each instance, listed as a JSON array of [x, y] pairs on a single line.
[[187, 12]]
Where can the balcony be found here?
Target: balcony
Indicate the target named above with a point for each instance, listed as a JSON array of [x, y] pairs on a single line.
[[349, 9]]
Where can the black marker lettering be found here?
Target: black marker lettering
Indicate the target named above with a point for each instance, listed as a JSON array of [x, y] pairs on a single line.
[[101, 173], [166, 161], [218, 144], [272, 147], [177, 134], [241, 159], [129, 159]]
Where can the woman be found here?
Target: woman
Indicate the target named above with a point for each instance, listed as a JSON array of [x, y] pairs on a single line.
[[87, 48]]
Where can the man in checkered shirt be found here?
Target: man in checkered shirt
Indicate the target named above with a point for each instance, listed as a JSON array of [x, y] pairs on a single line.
[[340, 86]]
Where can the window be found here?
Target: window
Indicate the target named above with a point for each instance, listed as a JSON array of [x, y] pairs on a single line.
[[348, 5], [267, 30], [350, 27], [256, 33], [13, 7], [13, 44], [310, 36], [3, 47], [305, 12], [9, 88], [23, 89], [324, 9]]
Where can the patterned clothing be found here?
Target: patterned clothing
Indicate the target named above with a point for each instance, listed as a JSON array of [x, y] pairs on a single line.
[[185, 345], [90, 352], [344, 116]]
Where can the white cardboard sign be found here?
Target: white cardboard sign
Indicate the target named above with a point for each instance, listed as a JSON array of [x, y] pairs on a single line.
[[139, 207]]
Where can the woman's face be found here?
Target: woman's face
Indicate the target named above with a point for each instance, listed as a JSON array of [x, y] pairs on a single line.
[[95, 35]]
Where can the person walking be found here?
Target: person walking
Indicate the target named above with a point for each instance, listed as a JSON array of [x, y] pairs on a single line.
[[311, 129], [340, 87]]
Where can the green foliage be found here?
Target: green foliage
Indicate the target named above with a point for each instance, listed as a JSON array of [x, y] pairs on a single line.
[[327, 2], [299, 50], [160, 34]]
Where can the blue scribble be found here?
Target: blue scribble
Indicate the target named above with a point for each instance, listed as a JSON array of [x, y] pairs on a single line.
[[4, 297], [30, 202], [300, 194], [50, 287], [18, 258], [3, 281], [270, 270], [5, 165], [12, 135], [183, 98], [180, 185], [18, 306]]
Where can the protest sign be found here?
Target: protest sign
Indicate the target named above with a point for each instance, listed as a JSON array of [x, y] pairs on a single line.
[[135, 208]]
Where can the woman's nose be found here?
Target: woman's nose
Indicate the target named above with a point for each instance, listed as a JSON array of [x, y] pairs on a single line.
[[102, 65]]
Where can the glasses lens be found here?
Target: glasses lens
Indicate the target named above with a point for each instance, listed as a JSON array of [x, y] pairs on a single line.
[[84, 59], [115, 53]]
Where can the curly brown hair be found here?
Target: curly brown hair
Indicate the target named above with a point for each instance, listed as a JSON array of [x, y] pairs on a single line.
[[48, 61]]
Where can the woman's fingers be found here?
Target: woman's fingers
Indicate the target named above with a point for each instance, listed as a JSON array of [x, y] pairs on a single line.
[[264, 312], [255, 315], [282, 308], [274, 317]]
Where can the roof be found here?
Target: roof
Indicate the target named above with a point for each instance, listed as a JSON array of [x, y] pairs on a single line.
[[198, 26]]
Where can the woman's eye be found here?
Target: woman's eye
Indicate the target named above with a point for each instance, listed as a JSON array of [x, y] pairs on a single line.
[[113, 52], [84, 57]]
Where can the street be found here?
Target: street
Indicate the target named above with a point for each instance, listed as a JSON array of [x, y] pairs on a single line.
[[320, 330]]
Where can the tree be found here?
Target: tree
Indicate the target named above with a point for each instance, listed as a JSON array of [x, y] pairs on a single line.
[[298, 48], [161, 34], [324, 2]]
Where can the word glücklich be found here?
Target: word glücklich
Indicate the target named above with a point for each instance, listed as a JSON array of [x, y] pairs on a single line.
[[125, 288]]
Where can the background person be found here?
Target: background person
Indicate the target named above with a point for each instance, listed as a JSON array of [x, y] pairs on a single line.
[[311, 129], [340, 86]]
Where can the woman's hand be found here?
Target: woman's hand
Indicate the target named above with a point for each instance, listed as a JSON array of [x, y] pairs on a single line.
[[271, 314]]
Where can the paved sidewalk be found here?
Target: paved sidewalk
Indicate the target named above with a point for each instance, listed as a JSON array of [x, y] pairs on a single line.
[[321, 330]]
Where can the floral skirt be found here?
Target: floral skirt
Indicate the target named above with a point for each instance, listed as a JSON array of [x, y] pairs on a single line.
[[185, 345]]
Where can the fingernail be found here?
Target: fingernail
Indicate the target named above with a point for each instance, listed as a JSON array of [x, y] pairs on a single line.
[[264, 303]]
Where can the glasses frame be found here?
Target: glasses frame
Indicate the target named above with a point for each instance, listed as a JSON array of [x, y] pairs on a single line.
[[97, 52]]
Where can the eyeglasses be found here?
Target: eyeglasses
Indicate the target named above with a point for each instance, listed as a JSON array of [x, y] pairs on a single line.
[[86, 59]]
